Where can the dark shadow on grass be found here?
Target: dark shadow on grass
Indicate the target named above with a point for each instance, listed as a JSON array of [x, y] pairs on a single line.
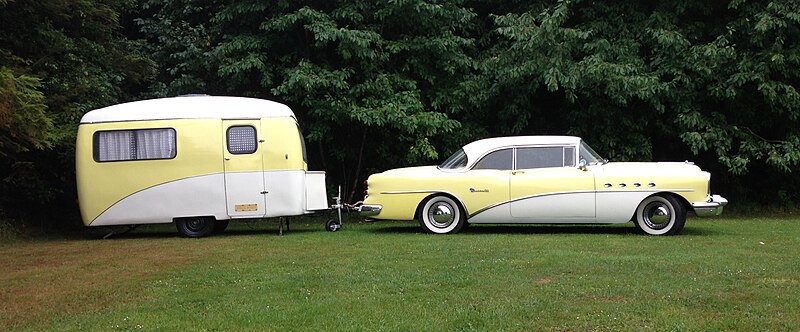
[[695, 231], [624, 229], [398, 230], [136, 235], [549, 229], [519, 229], [165, 233], [239, 232]]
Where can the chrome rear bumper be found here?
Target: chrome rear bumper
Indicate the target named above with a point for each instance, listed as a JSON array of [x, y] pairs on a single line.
[[369, 210], [712, 207]]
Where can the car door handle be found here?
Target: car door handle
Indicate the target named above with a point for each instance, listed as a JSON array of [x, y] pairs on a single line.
[[517, 172], [226, 158]]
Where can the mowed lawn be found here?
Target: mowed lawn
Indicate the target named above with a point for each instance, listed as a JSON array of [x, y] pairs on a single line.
[[720, 274]]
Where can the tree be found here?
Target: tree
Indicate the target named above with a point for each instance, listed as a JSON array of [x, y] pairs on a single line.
[[23, 122], [357, 73], [58, 60], [683, 78], [380, 85]]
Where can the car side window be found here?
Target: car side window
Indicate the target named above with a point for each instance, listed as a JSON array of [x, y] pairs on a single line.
[[569, 156], [500, 159], [541, 157]]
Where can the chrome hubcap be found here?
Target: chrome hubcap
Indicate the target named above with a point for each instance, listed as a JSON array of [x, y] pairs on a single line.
[[657, 215], [195, 224], [441, 214]]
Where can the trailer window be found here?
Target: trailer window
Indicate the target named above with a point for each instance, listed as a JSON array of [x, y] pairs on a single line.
[[242, 140], [139, 144]]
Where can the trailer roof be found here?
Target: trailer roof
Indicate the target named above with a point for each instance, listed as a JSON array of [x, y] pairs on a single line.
[[189, 107]]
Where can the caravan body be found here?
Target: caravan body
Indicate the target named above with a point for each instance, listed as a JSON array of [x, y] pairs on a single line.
[[201, 159]]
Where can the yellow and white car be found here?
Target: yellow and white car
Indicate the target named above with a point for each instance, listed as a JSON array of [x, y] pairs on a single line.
[[541, 179]]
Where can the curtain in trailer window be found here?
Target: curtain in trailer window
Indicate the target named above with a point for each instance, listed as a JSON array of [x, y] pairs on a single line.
[[115, 145], [155, 144], [142, 144]]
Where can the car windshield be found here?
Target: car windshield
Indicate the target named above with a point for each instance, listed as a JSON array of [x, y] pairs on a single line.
[[591, 157], [456, 161]]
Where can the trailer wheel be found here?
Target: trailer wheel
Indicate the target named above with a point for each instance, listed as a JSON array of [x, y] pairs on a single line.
[[332, 225], [195, 226]]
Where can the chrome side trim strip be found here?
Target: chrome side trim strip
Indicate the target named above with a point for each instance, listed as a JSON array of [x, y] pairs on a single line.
[[530, 196], [574, 192], [460, 202], [412, 192]]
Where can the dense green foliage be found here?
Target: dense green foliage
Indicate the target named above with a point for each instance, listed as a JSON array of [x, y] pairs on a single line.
[[386, 84], [711, 82], [58, 60], [716, 76], [23, 123], [373, 83]]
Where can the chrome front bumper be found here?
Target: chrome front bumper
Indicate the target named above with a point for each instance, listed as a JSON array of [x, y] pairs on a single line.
[[369, 210], [712, 207]]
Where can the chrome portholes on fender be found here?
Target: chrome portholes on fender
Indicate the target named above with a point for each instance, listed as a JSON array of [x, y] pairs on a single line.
[[660, 215], [441, 215]]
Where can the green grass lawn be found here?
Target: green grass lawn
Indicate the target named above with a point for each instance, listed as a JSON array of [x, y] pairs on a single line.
[[720, 274]]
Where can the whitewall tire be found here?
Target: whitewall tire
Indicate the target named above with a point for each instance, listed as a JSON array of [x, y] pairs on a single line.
[[660, 215], [441, 215]]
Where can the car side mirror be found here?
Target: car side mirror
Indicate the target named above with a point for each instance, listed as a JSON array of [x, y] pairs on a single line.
[[582, 164]]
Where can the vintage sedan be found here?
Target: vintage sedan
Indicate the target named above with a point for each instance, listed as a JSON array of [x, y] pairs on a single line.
[[541, 179]]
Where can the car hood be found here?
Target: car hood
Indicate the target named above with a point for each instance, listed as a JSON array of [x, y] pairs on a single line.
[[660, 168]]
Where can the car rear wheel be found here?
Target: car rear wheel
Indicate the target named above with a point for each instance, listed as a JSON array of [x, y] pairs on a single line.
[[660, 215], [195, 226], [441, 215]]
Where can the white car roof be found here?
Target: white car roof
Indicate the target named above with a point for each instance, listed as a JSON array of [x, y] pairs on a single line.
[[480, 147], [189, 107]]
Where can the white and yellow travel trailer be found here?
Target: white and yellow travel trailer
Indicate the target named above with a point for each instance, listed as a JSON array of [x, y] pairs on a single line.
[[198, 161]]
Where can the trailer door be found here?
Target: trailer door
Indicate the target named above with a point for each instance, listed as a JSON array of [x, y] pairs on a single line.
[[244, 173]]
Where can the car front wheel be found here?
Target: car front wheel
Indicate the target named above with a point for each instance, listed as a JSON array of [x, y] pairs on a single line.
[[660, 215], [441, 215]]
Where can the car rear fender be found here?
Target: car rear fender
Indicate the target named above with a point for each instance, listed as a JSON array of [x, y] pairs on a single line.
[[441, 193]]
